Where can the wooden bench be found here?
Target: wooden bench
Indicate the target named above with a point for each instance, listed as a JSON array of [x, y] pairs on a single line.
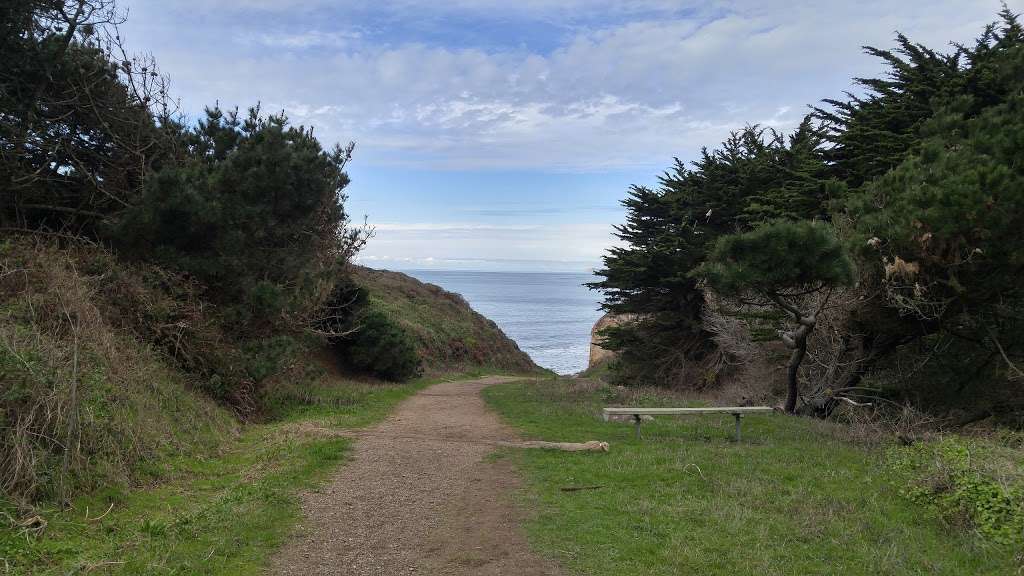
[[639, 413]]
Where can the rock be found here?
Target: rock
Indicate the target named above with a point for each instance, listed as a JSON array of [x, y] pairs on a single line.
[[598, 354]]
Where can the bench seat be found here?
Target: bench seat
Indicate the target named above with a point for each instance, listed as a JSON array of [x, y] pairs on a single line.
[[736, 411]]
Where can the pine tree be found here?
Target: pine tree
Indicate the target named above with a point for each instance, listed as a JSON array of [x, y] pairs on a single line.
[[870, 134], [255, 212], [919, 147], [798, 186], [780, 264], [940, 234], [77, 132]]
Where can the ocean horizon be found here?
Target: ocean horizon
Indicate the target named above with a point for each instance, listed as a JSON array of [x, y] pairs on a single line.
[[548, 314]]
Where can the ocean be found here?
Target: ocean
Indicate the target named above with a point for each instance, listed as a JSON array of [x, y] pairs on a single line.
[[548, 314]]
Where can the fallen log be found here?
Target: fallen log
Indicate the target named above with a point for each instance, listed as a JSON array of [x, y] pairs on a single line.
[[592, 446]]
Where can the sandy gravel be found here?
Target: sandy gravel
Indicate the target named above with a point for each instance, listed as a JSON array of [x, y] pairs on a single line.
[[418, 498]]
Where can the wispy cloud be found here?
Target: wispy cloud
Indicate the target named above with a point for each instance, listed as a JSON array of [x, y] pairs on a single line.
[[454, 227], [307, 39], [635, 84], [587, 89]]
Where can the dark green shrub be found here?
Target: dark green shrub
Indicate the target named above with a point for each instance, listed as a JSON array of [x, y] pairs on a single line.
[[270, 356], [380, 347], [254, 212]]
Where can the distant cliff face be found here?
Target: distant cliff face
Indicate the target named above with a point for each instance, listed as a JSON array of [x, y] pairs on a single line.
[[597, 353], [449, 335]]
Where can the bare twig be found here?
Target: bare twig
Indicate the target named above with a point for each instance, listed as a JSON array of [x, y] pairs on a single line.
[[101, 516]]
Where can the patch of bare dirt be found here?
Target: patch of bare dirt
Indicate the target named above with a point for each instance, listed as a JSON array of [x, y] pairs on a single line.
[[419, 498]]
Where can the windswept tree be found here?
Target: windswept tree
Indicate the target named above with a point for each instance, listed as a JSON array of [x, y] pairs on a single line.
[[918, 173], [935, 231], [786, 265], [756, 175], [82, 122], [872, 132], [940, 234]]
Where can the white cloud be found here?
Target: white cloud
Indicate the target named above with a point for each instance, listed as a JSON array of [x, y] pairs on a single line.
[[652, 80], [307, 39], [438, 227], [612, 84], [484, 246], [534, 8]]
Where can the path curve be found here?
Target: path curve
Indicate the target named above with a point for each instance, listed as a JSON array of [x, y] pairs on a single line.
[[418, 497]]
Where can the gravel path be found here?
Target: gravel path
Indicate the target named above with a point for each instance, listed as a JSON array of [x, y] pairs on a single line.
[[418, 498]]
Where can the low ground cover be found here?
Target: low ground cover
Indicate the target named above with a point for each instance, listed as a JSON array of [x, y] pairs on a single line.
[[214, 516], [794, 497]]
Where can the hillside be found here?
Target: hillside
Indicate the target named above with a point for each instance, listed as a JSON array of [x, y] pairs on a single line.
[[449, 335], [88, 395], [122, 389], [107, 366]]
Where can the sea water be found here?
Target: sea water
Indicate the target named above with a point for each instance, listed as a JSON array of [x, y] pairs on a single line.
[[548, 314]]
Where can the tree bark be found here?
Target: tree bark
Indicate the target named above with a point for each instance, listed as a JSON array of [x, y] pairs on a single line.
[[797, 341]]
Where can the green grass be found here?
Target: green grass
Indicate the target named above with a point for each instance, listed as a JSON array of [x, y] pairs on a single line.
[[218, 516], [793, 497]]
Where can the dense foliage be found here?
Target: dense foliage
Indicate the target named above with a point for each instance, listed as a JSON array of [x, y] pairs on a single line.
[[159, 274], [974, 484], [254, 210], [250, 207], [919, 178], [365, 338], [780, 264], [238, 220], [381, 347], [757, 175], [82, 123]]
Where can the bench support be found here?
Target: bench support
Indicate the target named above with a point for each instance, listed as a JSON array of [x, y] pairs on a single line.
[[637, 420], [638, 414]]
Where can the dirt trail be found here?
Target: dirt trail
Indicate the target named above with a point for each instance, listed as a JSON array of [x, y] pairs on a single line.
[[418, 498]]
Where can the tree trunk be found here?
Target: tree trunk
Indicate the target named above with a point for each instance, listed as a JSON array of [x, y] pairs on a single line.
[[797, 341], [793, 384]]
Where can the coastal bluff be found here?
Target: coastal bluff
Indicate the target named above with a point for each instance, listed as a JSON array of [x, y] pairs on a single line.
[[597, 353]]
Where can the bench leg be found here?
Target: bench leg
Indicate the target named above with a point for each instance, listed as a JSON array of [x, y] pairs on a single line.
[[637, 420], [737, 416]]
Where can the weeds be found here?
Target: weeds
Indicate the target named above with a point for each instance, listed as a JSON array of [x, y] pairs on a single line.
[[795, 497], [79, 400], [967, 483]]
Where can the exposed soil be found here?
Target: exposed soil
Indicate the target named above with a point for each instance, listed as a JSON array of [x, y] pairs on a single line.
[[419, 498]]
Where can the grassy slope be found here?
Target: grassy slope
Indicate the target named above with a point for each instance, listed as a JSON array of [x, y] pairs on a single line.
[[83, 402], [449, 334], [792, 498], [221, 515], [174, 484]]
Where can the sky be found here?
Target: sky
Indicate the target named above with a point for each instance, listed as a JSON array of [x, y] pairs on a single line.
[[502, 135]]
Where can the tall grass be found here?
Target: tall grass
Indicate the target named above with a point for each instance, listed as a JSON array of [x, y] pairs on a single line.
[[81, 402]]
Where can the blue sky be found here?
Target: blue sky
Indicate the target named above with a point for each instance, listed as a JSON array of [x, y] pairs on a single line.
[[500, 135]]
